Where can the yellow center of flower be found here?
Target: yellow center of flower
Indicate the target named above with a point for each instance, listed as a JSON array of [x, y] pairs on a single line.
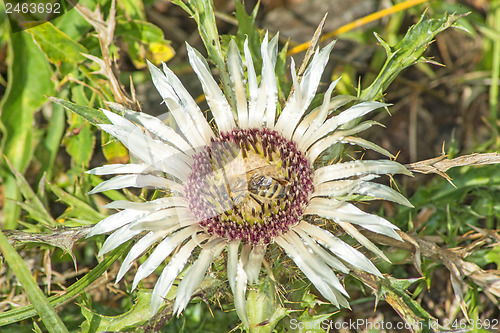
[[254, 186]]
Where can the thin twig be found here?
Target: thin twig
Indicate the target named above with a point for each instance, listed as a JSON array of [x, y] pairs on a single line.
[[441, 164]]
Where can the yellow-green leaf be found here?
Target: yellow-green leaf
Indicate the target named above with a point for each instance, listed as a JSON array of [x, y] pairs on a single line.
[[29, 79], [56, 45]]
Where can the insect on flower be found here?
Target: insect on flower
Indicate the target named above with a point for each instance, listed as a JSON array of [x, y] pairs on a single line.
[[246, 184]]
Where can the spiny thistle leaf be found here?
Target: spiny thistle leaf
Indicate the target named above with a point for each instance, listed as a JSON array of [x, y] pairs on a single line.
[[139, 313], [407, 52]]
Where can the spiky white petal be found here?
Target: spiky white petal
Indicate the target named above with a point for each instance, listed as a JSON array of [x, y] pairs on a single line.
[[237, 280], [174, 217], [151, 151], [366, 144], [189, 105], [186, 112], [257, 114], [239, 293], [380, 191], [142, 181], [317, 116], [152, 205], [235, 68], [157, 127], [122, 168], [339, 210], [354, 233], [333, 123], [303, 93], [170, 272], [252, 268], [348, 254], [196, 274], [116, 221], [338, 188], [315, 262], [263, 108], [300, 259], [218, 104], [268, 86], [252, 87], [161, 252], [117, 238], [123, 125], [137, 250], [232, 262], [357, 168], [344, 136], [322, 253], [245, 253]]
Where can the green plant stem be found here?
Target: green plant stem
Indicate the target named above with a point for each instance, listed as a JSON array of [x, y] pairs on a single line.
[[52, 321], [203, 14], [495, 68]]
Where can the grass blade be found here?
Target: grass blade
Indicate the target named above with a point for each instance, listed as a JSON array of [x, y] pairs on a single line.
[[40, 303], [74, 290]]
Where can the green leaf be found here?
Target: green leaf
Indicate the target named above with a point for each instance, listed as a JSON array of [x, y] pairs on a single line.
[[40, 303], [494, 255], [311, 323], [93, 116], [114, 151], [466, 179], [137, 315], [394, 291], [72, 22], [203, 14], [33, 205], [407, 52], [80, 141], [247, 29], [139, 31], [48, 148], [29, 79], [134, 9], [57, 46], [85, 211], [144, 41]]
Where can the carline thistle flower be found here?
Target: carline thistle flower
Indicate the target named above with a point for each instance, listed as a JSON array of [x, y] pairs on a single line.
[[246, 184]]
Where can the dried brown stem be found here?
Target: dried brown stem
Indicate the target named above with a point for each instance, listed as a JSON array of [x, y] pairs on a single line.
[[105, 31], [452, 259], [441, 164]]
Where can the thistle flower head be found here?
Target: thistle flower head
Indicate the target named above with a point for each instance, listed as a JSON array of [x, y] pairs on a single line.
[[244, 183]]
